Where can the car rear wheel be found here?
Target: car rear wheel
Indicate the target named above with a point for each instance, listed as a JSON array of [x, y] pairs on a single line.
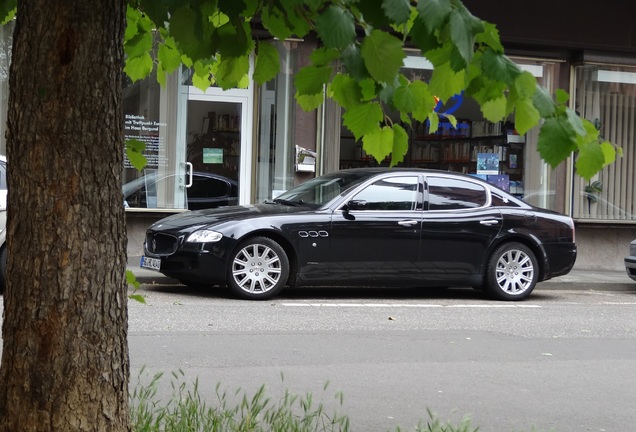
[[512, 272], [259, 269]]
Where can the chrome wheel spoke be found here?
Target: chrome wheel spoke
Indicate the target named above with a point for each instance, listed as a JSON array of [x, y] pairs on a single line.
[[514, 272], [256, 268]]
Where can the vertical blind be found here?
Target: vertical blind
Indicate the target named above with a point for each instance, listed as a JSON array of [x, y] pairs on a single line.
[[611, 106]]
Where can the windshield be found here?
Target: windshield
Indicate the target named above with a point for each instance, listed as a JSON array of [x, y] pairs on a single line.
[[320, 190]]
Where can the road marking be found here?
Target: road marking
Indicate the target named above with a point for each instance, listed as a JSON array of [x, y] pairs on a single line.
[[408, 305]]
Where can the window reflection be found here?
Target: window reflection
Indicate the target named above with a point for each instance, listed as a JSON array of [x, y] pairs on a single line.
[[394, 193], [452, 194]]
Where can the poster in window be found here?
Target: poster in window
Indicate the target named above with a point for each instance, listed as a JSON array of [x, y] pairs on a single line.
[[212, 155], [513, 161], [502, 181], [487, 163]]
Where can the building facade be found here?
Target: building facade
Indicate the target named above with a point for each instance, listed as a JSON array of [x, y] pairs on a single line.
[[247, 145]]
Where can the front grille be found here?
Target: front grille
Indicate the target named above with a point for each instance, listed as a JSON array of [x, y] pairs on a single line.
[[161, 244]]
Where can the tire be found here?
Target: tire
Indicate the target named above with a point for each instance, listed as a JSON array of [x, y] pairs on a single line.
[[3, 269], [512, 272], [259, 269]]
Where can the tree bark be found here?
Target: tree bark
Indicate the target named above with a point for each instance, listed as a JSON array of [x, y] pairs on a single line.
[[65, 359]]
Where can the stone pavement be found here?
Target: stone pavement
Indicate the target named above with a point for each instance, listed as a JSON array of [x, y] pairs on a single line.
[[575, 280]]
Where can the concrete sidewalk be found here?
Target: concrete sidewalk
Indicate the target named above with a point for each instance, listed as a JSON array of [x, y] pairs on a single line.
[[575, 280]]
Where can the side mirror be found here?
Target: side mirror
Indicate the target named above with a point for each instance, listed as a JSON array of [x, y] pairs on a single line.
[[355, 205]]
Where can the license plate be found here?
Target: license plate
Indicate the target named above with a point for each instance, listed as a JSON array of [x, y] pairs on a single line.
[[150, 263]]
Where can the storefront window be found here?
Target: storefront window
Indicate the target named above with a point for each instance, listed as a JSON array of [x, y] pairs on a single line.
[[494, 152], [150, 116], [275, 148], [606, 96]]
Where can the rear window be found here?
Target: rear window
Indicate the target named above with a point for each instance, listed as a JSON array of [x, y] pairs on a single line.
[[455, 194]]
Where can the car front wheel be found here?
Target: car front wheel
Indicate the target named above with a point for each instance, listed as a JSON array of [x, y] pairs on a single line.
[[259, 269], [512, 272]]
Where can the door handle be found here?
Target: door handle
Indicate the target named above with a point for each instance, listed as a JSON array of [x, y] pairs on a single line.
[[407, 222], [189, 174], [489, 222]]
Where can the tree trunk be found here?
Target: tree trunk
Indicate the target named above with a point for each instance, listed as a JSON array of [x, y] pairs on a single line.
[[65, 359]]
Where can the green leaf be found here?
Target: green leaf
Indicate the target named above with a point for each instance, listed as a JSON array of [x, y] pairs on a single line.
[[138, 45], [138, 67], [425, 100], [168, 56], [494, 110], [562, 96], [434, 13], [275, 23], [267, 63], [557, 141], [609, 153], [161, 75], [383, 55], [372, 13], [354, 64], [134, 152], [400, 144], [525, 85], [379, 142], [137, 297], [232, 8], [463, 27], [183, 23], [424, 39], [577, 123], [231, 71], [433, 119], [363, 118], [499, 67], [324, 56], [309, 102], [483, 89], [346, 91], [543, 102], [202, 77], [445, 83], [311, 79], [368, 87], [131, 279], [404, 99], [398, 11], [336, 27], [234, 39], [526, 116], [490, 37], [8, 9], [590, 160]]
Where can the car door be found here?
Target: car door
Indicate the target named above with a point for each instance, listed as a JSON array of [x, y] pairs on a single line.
[[458, 227], [375, 236]]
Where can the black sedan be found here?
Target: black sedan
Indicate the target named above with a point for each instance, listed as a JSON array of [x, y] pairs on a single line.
[[363, 227]]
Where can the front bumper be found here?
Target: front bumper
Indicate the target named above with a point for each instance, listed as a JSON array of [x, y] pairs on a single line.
[[200, 263], [630, 266]]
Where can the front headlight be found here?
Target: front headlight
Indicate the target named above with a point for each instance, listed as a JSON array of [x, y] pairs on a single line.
[[204, 236]]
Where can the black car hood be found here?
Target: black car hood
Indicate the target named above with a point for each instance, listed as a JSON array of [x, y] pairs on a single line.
[[200, 218]]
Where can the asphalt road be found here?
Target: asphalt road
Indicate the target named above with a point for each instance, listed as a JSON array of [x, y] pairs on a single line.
[[565, 360]]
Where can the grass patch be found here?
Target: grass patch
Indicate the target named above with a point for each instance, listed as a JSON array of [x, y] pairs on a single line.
[[185, 411]]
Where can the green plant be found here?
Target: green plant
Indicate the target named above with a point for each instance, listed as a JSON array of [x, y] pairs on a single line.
[[593, 189], [186, 411]]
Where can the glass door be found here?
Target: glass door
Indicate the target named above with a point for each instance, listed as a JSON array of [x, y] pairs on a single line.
[[217, 148], [213, 145]]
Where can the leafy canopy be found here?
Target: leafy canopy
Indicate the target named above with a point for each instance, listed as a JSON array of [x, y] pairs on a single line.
[[358, 65]]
